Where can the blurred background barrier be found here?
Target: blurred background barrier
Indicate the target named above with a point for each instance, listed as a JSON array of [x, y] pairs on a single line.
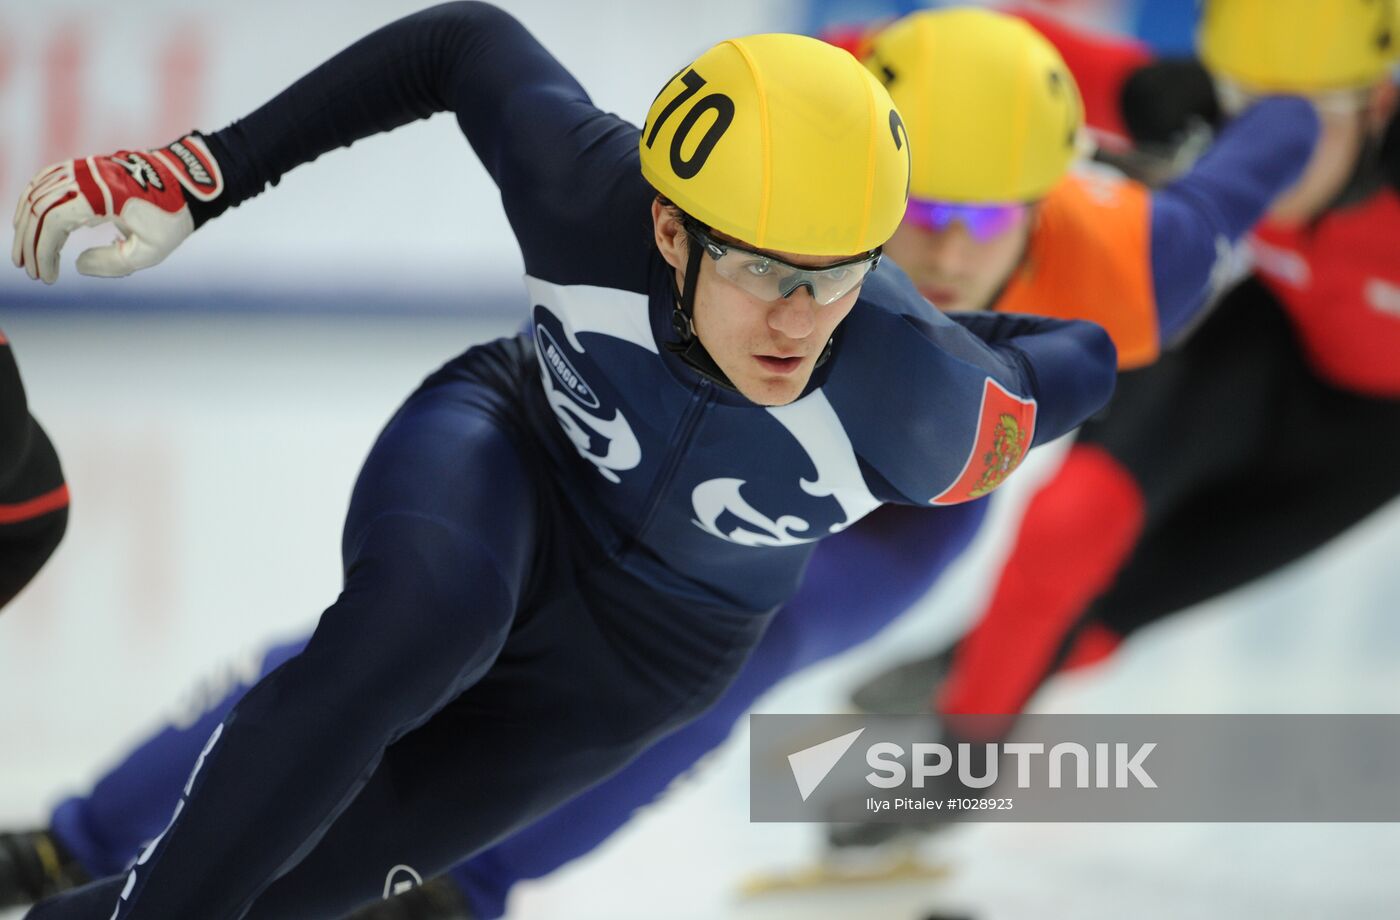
[[424, 226]]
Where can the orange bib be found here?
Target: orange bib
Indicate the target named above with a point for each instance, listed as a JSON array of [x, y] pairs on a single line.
[[1090, 258]]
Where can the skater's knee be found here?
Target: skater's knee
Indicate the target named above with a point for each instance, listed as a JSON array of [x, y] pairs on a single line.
[[418, 622]]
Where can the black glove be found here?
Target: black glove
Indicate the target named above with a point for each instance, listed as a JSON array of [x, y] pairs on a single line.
[[1165, 101]]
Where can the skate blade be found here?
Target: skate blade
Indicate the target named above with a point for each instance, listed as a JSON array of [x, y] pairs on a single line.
[[825, 875]]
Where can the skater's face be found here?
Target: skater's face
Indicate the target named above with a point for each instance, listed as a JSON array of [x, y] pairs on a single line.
[[767, 348], [956, 268]]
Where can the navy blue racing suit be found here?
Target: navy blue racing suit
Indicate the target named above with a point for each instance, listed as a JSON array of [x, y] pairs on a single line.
[[564, 544]]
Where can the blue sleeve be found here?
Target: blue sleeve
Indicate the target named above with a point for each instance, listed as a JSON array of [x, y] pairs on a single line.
[[922, 393], [1071, 365], [1199, 216], [568, 173]]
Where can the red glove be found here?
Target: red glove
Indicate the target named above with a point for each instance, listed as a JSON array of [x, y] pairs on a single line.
[[145, 193]]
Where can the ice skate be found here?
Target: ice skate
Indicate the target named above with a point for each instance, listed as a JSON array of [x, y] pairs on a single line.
[[34, 866]]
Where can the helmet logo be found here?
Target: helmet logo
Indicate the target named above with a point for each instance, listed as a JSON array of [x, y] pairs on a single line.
[[1057, 88], [901, 142], [1383, 36], [719, 103], [887, 75]]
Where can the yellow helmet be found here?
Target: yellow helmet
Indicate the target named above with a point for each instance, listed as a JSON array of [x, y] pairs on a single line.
[[783, 142], [1300, 46], [992, 111]]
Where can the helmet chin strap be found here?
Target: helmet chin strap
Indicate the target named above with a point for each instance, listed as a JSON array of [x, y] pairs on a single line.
[[689, 348], [691, 351]]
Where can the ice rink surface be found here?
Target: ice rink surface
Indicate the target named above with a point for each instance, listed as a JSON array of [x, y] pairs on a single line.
[[210, 459]]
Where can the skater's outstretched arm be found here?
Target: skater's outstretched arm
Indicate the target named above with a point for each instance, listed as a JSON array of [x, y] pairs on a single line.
[[528, 120], [1197, 218], [1015, 381]]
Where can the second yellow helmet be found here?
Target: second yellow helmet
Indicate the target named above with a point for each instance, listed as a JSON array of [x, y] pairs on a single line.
[[993, 113]]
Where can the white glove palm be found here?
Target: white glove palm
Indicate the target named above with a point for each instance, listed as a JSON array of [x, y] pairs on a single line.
[[145, 194]]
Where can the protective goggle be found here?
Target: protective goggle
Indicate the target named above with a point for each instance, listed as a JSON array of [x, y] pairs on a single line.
[[985, 222], [769, 278]]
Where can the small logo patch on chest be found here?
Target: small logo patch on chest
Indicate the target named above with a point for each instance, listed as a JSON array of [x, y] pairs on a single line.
[[563, 370]]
